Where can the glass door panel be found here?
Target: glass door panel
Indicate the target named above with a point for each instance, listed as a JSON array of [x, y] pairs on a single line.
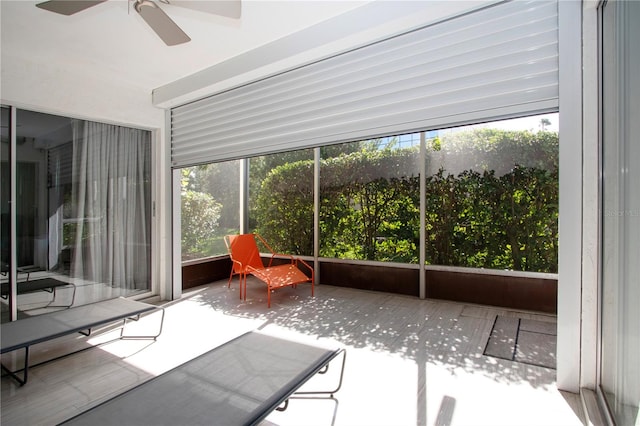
[[620, 266], [5, 226], [83, 211]]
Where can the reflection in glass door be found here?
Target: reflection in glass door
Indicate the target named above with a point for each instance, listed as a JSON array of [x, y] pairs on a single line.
[[82, 202], [620, 263], [5, 211]]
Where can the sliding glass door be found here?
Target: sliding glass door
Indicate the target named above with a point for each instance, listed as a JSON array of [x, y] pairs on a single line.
[[82, 220], [620, 264], [5, 212]]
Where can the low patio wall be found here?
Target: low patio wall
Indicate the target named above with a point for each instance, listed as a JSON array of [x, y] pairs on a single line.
[[205, 271], [399, 280], [512, 290]]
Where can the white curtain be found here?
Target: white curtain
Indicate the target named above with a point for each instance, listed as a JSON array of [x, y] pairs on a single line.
[[59, 164], [110, 201]]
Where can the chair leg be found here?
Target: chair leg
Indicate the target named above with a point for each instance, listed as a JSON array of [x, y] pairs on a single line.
[[240, 275], [245, 288]]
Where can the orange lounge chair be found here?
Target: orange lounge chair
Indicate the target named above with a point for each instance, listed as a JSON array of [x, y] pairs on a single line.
[[244, 253]]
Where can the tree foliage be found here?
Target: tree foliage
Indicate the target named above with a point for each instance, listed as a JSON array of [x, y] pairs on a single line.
[[200, 215], [220, 180]]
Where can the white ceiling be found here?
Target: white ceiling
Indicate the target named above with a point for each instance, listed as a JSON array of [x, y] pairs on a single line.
[[113, 40]]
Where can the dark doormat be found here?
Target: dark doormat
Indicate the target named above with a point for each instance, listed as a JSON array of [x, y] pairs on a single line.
[[523, 340]]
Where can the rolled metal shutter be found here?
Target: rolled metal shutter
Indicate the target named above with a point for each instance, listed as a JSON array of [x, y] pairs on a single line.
[[493, 63]]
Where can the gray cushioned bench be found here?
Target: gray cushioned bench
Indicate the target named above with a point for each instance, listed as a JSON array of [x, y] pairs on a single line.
[[27, 332], [238, 383]]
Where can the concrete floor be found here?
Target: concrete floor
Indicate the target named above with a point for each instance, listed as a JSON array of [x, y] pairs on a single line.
[[409, 361]]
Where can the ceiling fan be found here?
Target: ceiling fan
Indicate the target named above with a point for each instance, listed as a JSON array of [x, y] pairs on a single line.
[[153, 15]]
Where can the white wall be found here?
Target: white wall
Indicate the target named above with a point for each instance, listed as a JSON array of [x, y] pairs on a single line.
[[76, 91]]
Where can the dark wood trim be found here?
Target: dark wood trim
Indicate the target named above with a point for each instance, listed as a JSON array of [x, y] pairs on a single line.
[[371, 277], [524, 293], [205, 272]]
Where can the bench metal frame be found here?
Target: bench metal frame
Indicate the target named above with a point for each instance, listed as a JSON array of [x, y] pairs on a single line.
[[42, 284], [23, 334]]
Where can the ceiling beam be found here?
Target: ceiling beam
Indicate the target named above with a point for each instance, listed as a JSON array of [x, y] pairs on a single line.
[[363, 25]]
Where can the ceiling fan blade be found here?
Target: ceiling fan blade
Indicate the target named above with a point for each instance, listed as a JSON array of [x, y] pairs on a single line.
[[228, 8], [68, 7], [160, 22]]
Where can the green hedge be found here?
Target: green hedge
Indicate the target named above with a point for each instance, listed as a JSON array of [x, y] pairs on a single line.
[[500, 217]]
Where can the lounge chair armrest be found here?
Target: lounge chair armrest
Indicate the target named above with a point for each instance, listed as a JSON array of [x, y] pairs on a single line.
[[258, 273], [282, 255], [251, 269], [237, 262], [298, 261]]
